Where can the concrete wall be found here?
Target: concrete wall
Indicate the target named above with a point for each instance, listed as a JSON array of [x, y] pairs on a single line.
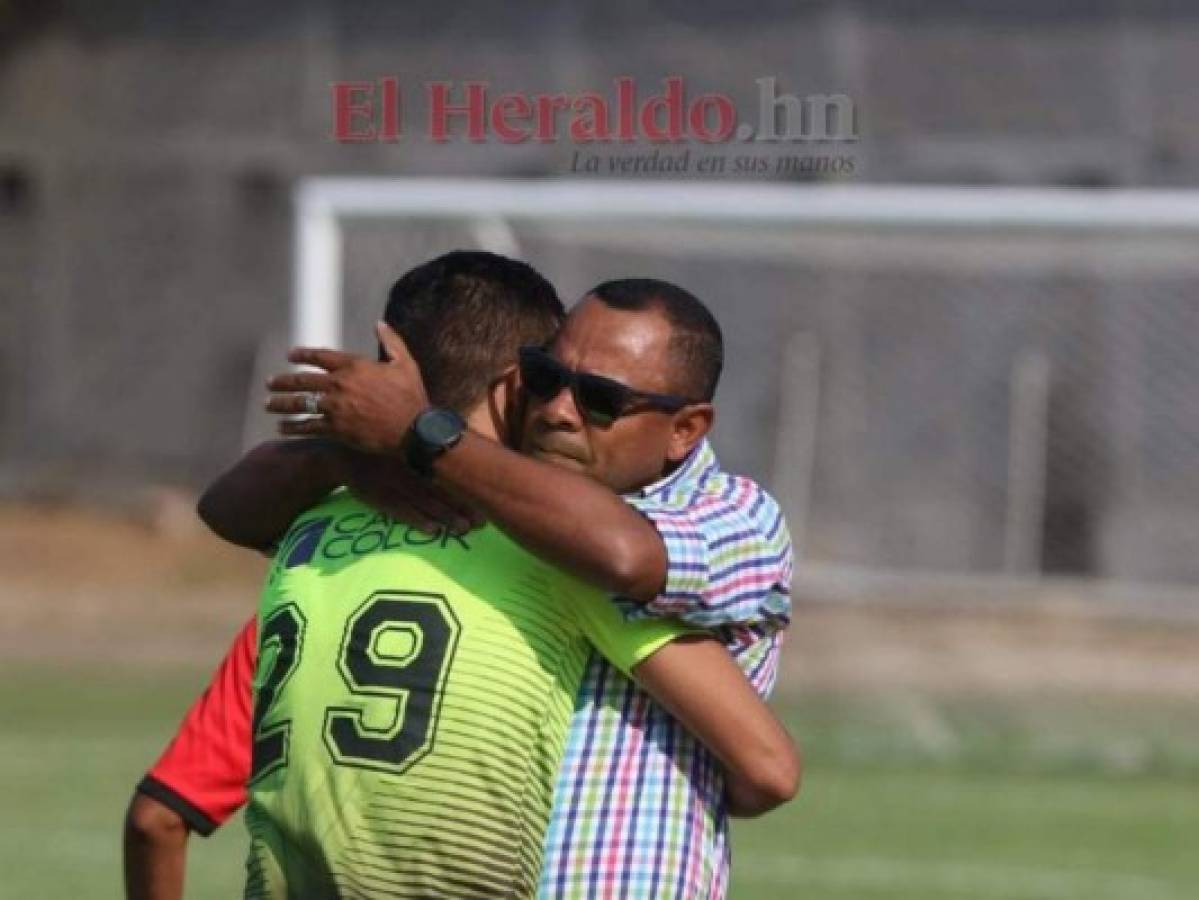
[[147, 152]]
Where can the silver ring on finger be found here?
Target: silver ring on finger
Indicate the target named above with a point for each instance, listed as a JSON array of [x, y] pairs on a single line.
[[312, 404]]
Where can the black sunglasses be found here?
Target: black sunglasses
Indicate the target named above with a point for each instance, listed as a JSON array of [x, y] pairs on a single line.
[[601, 400]]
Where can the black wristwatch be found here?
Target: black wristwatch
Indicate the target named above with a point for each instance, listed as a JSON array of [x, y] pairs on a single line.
[[433, 432]]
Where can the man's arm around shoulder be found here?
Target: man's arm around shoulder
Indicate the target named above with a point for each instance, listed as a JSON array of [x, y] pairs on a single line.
[[254, 502]]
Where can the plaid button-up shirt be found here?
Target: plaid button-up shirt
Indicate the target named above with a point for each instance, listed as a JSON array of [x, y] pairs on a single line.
[[639, 806]]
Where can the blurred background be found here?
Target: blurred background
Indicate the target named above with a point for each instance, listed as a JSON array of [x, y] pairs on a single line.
[[981, 415]]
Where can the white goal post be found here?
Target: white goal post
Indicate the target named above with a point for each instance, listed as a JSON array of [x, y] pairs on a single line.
[[323, 204]]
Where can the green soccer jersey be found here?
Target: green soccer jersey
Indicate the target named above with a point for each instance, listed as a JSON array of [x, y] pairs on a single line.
[[412, 699]]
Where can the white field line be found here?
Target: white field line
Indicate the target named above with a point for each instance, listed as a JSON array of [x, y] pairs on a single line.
[[956, 879], [933, 730]]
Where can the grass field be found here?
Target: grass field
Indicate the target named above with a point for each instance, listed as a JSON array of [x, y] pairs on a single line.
[[886, 812], [1025, 755]]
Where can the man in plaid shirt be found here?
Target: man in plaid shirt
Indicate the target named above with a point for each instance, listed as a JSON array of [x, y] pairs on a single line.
[[640, 809], [639, 806]]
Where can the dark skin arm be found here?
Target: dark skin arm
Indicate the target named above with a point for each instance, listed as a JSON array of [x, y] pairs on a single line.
[[254, 503], [563, 517], [560, 516], [155, 850]]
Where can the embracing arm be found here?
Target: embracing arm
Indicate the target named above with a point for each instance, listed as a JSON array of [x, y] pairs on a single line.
[[563, 517], [697, 681], [253, 503]]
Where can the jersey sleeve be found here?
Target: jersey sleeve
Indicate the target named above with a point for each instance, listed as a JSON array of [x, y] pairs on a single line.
[[623, 642], [202, 774], [729, 558]]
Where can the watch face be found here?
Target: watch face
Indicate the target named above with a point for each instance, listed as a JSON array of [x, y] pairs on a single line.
[[439, 426]]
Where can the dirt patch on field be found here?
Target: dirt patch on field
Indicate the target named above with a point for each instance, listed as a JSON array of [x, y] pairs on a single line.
[[153, 586]]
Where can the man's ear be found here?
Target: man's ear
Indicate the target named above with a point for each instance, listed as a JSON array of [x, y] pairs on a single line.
[[690, 425], [503, 402], [391, 345]]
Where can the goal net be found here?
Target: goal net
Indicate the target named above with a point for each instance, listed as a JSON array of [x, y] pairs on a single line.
[[953, 391]]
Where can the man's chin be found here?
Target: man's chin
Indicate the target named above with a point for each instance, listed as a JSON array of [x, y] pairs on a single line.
[[559, 459]]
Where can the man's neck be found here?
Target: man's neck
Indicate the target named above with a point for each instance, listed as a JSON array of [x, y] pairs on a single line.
[[480, 420]]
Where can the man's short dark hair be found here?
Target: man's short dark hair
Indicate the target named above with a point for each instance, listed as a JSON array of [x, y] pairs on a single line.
[[696, 344], [464, 315]]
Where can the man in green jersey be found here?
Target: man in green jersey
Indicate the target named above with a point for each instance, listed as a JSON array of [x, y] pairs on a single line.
[[414, 689], [413, 695]]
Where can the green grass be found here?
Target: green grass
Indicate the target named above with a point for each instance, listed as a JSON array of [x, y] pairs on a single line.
[[73, 746], [1066, 800], [932, 834]]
